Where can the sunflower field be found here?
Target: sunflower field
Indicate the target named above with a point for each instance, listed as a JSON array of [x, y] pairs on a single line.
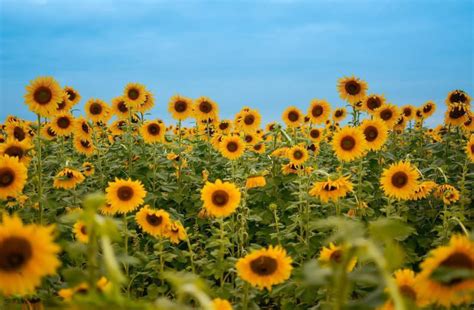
[[356, 207]]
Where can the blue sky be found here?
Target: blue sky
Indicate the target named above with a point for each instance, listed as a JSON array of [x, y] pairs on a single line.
[[263, 54]]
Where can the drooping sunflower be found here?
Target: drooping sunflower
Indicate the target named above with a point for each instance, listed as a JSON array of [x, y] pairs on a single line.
[[388, 113], [205, 108], [43, 95], [14, 148], [456, 114], [332, 189], [84, 146], [180, 107], [400, 180], [375, 133], [97, 111], [175, 232], [319, 111], [470, 148], [72, 95], [88, 169], [221, 304], [148, 104], [316, 134], [80, 232], [220, 199], [349, 143], [64, 105], [232, 147], [457, 289], [255, 181], [458, 96], [373, 102], [292, 117], [28, 253], [68, 178], [125, 195], [265, 268], [334, 254], [13, 176], [408, 112], [339, 114], [297, 155], [134, 94], [120, 108], [249, 121], [153, 222], [352, 89], [63, 124], [153, 131], [17, 130], [448, 193], [423, 190], [82, 129], [428, 108], [47, 132]]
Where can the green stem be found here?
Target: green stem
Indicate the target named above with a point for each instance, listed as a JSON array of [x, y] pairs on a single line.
[[245, 297], [222, 249], [191, 253], [40, 172], [125, 226]]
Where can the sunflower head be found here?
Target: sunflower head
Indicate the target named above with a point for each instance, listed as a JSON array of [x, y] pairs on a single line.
[[68, 178], [134, 94], [220, 198], [232, 147], [373, 102], [80, 232], [153, 131], [72, 95], [13, 176], [458, 96], [153, 222], [297, 155], [125, 195], [205, 108], [97, 110], [63, 124], [428, 109], [388, 113], [175, 232], [352, 89], [43, 95], [334, 255], [408, 112], [349, 143], [339, 114], [319, 111], [400, 180], [180, 107], [292, 117]]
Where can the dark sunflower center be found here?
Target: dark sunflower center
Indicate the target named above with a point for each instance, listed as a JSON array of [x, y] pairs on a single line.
[[84, 229], [205, 107], [352, 88], [248, 138], [336, 256], [154, 220], [223, 126], [85, 127], [153, 129], [317, 111], [69, 175], [51, 132], [175, 229], [220, 198], [7, 176], [257, 147], [249, 119], [427, 108], [125, 193], [457, 97], [314, 133], [232, 146], [71, 94], [264, 265], [472, 148], [16, 252], [298, 154], [61, 105], [122, 107], [180, 106], [338, 113], [63, 122], [407, 112], [456, 113], [468, 122], [458, 260], [371, 133], [133, 93], [399, 179], [348, 143], [43, 95], [19, 133], [312, 147], [329, 188], [95, 108], [85, 143], [14, 151], [386, 114], [407, 292], [293, 116], [374, 103]]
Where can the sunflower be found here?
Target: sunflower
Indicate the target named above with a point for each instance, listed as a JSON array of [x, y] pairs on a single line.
[[82, 129], [334, 254], [28, 253], [259, 148], [319, 111], [43, 95], [221, 304], [292, 117], [84, 146], [352, 89], [148, 104], [265, 268], [224, 126], [97, 110], [458, 96], [407, 284], [153, 222], [134, 95], [315, 135], [339, 114], [249, 121], [400, 180], [457, 114], [180, 107], [470, 148], [118, 127], [64, 105], [251, 138], [468, 125], [423, 190], [331, 189], [220, 199], [232, 147], [428, 108], [349, 143], [408, 112], [175, 232], [458, 255], [448, 193], [255, 181], [13, 176], [125, 195], [205, 108], [80, 231], [17, 130], [88, 169], [47, 132], [72, 95], [153, 131], [63, 124], [388, 113], [68, 178], [120, 108], [375, 133], [373, 102], [14, 148], [108, 209], [297, 155]]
